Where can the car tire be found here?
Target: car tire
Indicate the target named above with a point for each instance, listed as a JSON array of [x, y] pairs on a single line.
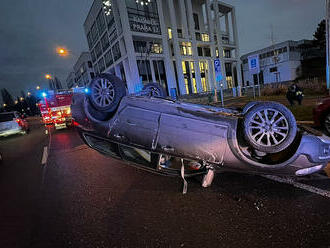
[[326, 124], [106, 92], [154, 90], [269, 127]]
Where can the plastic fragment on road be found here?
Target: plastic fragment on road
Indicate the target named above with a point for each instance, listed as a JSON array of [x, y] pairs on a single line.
[[208, 177], [185, 184]]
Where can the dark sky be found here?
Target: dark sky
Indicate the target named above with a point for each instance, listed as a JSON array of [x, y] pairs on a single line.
[[30, 30]]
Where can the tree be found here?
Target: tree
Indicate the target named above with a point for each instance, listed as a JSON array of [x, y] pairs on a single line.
[[7, 98], [320, 35]]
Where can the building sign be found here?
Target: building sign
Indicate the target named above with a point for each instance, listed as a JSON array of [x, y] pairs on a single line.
[[144, 24], [254, 66], [217, 69]]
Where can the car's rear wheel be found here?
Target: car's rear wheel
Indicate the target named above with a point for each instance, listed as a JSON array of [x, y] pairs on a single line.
[[106, 92], [269, 127], [154, 90]]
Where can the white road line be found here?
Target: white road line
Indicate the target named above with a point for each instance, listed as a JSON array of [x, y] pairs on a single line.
[[296, 184], [44, 156]]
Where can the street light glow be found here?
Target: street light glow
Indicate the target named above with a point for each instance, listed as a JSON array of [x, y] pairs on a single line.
[[38, 87], [29, 93], [4, 105], [62, 51], [43, 94], [48, 76]]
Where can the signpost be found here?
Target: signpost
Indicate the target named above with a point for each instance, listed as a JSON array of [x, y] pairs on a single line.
[[254, 68], [218, 78]]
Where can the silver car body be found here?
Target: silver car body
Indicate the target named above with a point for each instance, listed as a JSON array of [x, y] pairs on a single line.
[[197, 132]]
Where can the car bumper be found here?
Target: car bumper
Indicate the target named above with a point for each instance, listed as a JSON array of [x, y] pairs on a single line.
[[10, 132]]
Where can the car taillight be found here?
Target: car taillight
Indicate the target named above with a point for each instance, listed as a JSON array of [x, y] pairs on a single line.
[[19, 122]]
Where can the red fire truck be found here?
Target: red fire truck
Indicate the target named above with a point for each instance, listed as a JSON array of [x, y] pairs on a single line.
[[55, 108]]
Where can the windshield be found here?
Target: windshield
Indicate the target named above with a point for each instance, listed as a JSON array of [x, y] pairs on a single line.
[[7, 117]]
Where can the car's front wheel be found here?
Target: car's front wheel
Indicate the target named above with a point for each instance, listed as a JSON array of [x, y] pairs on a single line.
[[269, 127]]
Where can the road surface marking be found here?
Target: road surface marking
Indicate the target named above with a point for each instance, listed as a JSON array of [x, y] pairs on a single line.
[[44, 156], [299, 185]]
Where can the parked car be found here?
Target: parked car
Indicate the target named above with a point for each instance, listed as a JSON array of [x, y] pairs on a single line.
[[175, 138], [321, 114], [13, 123]]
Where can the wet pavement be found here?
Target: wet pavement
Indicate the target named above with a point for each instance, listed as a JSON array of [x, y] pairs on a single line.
[[81, 198]]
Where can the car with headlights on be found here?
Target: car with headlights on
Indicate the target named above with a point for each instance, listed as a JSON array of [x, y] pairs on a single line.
[[13, 123], [174, 138]]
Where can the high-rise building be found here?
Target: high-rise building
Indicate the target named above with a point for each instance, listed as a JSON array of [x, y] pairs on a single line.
[[171, 42]]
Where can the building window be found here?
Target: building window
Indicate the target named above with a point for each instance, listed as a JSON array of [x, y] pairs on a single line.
[[217, 52], [198, 36], [225, 39], [227, 54], [93, 56], [105, 41], [245, 61], [169, 30], [160, 73], [140, 46], [144, 70], [203, 67], [89, 63], [92, 74], [101, 65], [196, 21], [90, 40], [205, 37], [207, 52], [98, 50], [94, 33], [200, 51], [180, 33], [156, 48], [185, 48], [273, 69], [116, 51], [100, 22], [108, 58]]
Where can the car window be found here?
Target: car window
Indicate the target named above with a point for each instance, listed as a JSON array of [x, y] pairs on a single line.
[[109, 148], [139, 156], [7, 117]]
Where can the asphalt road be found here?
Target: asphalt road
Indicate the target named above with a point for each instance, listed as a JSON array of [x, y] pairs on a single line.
[[82, 199]]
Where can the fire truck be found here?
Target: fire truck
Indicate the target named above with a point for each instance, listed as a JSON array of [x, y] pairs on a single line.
[[55, 108]]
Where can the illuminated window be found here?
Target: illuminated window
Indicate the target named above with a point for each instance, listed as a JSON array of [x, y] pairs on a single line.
[[184, 70], [217, 52], [192, 68], [156, 48], [203, 67], [205, 37], [229, 80], [185, 48], [169, 33]]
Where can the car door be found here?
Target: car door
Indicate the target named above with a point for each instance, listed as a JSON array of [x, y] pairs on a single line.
[[136, 126], [192, 138]]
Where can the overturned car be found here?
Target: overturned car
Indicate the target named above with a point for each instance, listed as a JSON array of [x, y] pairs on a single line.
[[175, 138]]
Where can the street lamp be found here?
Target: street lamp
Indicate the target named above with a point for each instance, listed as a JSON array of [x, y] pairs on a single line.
[[4, 105], [22, 99], [16, 102], [38, 87], [29, 93], [48, 76], [62, 51]]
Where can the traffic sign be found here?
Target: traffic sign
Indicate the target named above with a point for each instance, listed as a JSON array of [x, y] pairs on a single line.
[[254, 65], [217, 69]]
